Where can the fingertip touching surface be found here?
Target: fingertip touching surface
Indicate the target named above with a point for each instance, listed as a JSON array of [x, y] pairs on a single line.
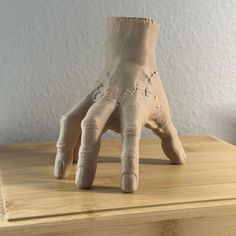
[[129, 183]]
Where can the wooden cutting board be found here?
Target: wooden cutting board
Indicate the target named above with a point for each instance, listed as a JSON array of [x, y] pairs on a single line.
[[30, 195]]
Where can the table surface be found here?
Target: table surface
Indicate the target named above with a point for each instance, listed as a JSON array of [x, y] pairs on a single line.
[[30, 193]]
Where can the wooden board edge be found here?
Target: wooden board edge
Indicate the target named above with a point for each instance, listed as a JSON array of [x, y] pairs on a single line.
[[139, 215], [222, 141]]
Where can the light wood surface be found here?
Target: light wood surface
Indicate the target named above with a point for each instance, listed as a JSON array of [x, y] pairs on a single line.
[[189, 199]]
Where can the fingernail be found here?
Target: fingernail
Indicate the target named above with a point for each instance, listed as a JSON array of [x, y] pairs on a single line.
[[129, 183], [59, 169]]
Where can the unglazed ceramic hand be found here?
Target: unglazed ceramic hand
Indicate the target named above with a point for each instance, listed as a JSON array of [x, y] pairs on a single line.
[[127, 97]]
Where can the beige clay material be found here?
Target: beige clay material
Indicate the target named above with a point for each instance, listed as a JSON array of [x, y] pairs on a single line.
[[128, 96]]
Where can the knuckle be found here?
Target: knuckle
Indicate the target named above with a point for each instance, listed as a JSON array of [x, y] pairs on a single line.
[[132, 131], [90, 123], [109, 94], [68, 116], [109, 97], [64, 118], [129, 155]]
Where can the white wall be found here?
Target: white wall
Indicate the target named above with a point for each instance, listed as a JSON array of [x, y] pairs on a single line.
[[51, 53]]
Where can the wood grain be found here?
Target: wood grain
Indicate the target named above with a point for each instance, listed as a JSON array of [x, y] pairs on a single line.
[[169, 196]]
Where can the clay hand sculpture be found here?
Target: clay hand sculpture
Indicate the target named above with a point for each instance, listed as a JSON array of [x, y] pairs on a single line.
[[128, 96]]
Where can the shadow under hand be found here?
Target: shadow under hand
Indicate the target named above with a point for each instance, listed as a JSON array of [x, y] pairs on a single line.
[[142, 161], [105, 189], [69, 185]]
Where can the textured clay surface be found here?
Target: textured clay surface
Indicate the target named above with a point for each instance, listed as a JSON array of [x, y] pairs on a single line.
[[129, 96], [52, 53]]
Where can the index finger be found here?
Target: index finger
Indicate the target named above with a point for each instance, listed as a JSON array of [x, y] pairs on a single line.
[[69, 137]]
